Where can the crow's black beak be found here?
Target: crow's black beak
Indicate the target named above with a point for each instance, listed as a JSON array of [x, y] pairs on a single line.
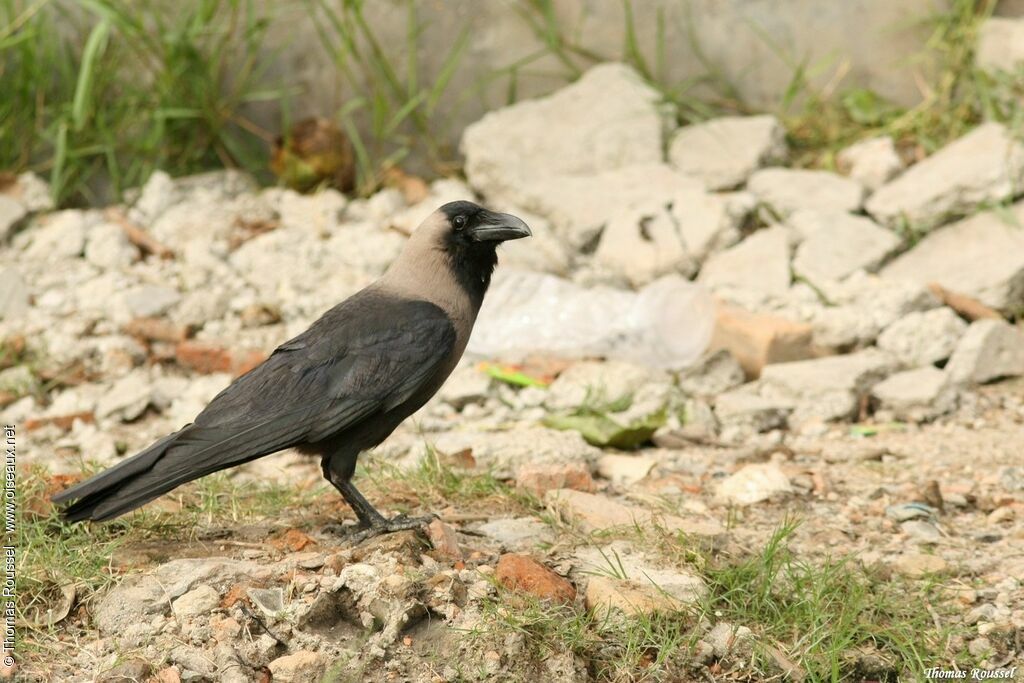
[[498, 227]]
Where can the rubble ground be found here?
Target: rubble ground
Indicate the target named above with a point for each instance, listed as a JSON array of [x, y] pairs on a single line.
[[819, 579]]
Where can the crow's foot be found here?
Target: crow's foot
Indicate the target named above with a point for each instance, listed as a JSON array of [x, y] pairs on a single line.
[[362, 532]]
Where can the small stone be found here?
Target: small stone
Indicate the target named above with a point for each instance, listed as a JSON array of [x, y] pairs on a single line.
[[723, 152], [872, 162], [591, 512], [505, 452], [157, 195], [32, 192], [753, 484], [625, 469], [14, 294], [1001, 514], [131, 671], [756, 339], [916, 395], [785, 190], [444, 540], [523, 573], [148, 301], [465, 386], [225, 629], [596, 382], [270, 601], [759, 263], [922, 532], [915, 565], [988, 350], [610, 103], [980, 647], [923, 338], [128, 398], [717, 371], [198, 601], [843, 244], [727, 640], [748, 412], [826, 388], [517, 532], [193, 659], [58, 235], [984, 166], [539, 478], [981, 257], [169, 674], [300, 667], [108, 247], [1000, 44], [628, 597]]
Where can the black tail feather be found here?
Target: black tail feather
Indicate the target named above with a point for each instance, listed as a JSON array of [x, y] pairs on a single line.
[[94, 492]]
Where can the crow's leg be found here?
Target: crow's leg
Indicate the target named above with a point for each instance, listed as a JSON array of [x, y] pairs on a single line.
[[371, 522]]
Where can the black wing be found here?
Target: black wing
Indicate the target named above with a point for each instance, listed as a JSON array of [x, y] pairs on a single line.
[[369, 354]]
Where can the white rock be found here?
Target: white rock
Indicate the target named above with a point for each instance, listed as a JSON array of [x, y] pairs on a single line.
[[625, 469], [723, 152], [916, 395], [863, 306], [759, 263], [158, 194], [671, 233], [923, 338], [988, 350], [14, 294], [301, 667], [317, 213], [753, 484], [505, 451], [598, 382], [871, 162], [785, 190], [842, 245], [464, 386], [1000, 44], [579, 207], [828, 388], [17, 380], [727, 640], [32, 192], [607, 119], [742, 409], [11, 212], [517, 532], [127, 398], [150, 300], [643, 244], [981, 256], [199, 601], [107, 246], [642, 571], [715, 373], [986, 165], [58, 235]]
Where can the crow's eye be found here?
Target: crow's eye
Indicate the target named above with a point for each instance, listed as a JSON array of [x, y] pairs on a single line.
[[459, 222]]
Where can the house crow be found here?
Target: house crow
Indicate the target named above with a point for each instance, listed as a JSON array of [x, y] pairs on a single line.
[[340, 387]]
